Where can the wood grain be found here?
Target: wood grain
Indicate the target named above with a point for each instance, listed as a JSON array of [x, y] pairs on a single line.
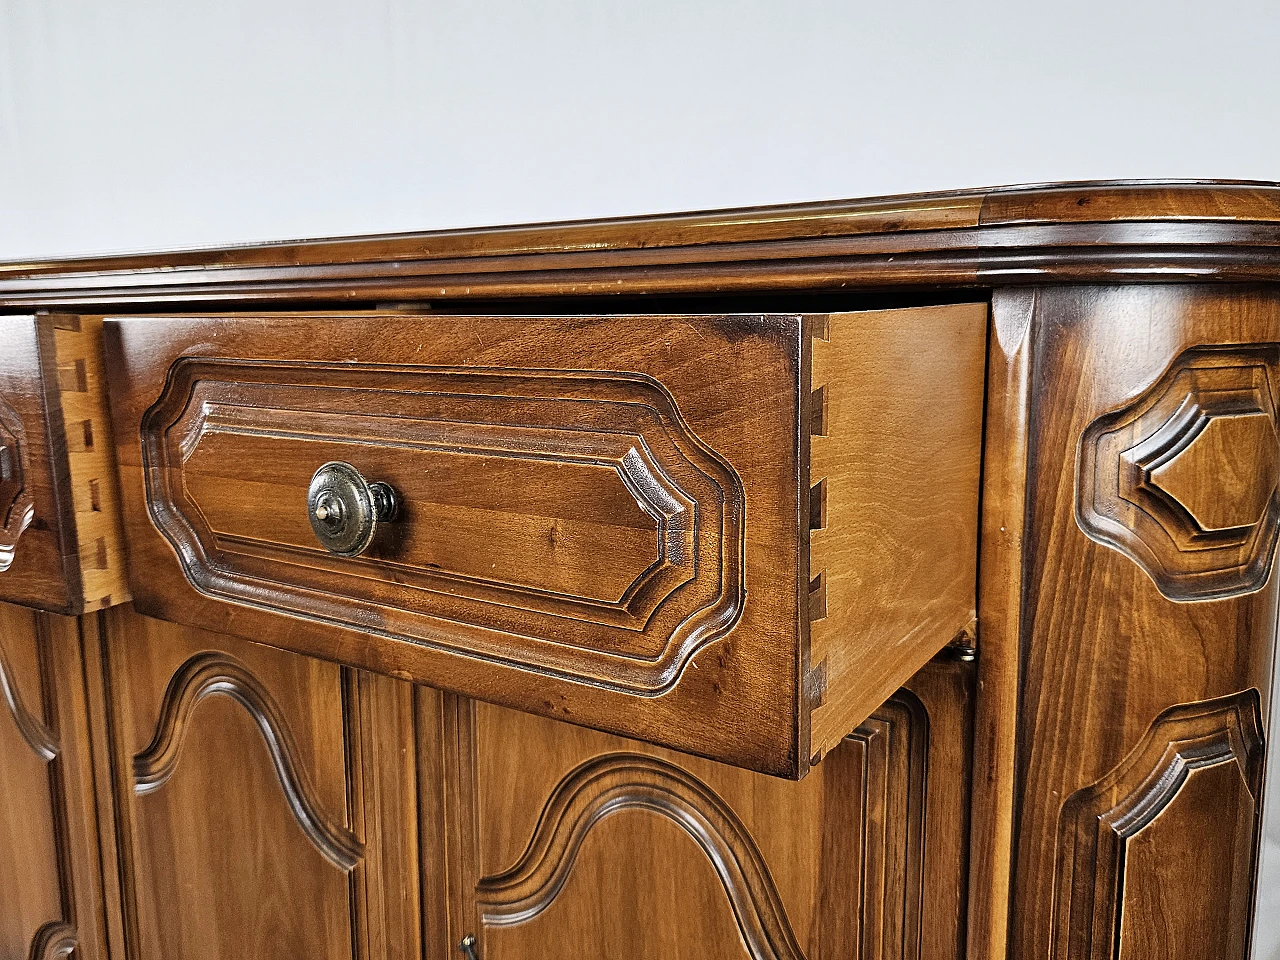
[[1000, 628], [252, 769], [76, 389], [38, 542], [895, 463], [607, 847], [51, 888], [1104, 651], [61, 541], [585, 504], [1115, 232]]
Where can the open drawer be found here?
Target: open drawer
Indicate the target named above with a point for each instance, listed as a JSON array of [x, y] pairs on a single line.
[[61, 543], [731, 535]]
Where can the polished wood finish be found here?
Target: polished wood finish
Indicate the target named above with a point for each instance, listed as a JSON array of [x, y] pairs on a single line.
[[894, 501], [1077, 773], [1102, 232], [608, 847], [587, 504], [51, 876], [264, 798], [61, 544], [1141, 717]]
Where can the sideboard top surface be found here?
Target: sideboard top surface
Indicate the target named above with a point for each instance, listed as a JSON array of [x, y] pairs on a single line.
[[1139, 231]]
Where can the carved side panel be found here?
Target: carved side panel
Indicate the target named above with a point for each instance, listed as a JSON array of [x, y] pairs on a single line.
[[607, 847], [255, 816], [573, 512], [1157, 858], [1184, 478]]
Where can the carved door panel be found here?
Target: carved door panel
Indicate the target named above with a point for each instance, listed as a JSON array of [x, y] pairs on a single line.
[[50, 892], [572, 843], [266, 799]]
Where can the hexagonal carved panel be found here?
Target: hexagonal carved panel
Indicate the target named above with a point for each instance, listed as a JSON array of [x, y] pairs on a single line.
[[1184, 479], [16, 507], [1226, 474]]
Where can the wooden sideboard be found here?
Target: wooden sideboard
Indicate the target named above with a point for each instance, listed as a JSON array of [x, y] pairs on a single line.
[[879, 579]]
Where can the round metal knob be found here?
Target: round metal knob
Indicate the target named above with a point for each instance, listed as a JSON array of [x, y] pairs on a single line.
[[345, 509]]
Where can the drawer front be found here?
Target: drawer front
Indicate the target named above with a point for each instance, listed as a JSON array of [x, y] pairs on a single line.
[[61, 546], [567, 522], [584, 506], [607, 520]]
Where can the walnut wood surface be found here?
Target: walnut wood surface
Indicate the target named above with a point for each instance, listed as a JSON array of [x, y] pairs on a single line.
[[259, 803], [1107, 654], [603, 518], [1117, 232], [1126, 598], [61, 543], [1000, 585], [51, 877], [895, 458], [608, 847]]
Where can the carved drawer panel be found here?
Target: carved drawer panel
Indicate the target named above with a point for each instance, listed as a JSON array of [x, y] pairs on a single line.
[[733, 535], [61, 546]]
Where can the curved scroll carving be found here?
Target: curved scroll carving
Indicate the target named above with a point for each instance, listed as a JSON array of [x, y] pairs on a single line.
[[1098, 823], [1185, 480], [626, 781], [53, 941], [17, 509], [207, 674], [38, 737], [604, 539]]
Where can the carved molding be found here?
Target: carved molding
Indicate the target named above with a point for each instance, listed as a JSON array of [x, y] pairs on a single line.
[[616, 782], [209, 674], [17, 509], [1097, 822], [38, 736], [1184, 480], [895, 755], [609, 431], [52, 941]]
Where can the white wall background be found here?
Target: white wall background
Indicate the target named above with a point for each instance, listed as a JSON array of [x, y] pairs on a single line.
[[157, 123]]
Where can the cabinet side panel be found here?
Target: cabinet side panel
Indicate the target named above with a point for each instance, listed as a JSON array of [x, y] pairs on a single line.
[[1151, 613]]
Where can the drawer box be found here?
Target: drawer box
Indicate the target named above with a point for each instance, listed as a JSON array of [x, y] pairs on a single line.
[[731, 535], [61, 545]]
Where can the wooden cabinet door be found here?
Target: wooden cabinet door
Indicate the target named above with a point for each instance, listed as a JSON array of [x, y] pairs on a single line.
[[50, 890], [565, 842], [266, 798]]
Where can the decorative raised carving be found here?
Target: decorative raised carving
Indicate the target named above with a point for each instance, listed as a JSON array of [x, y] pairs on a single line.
[[38, 737], [1099, 825], [615, 782], [617, 545], [17, 509], [53, 940], [206, 674], [1184, 479]]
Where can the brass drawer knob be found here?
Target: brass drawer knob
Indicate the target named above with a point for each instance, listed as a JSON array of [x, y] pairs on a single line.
[[345, 509]]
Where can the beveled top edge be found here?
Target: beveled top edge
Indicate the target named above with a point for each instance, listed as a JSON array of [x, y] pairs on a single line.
[[1112, 232], [1231, 201]]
